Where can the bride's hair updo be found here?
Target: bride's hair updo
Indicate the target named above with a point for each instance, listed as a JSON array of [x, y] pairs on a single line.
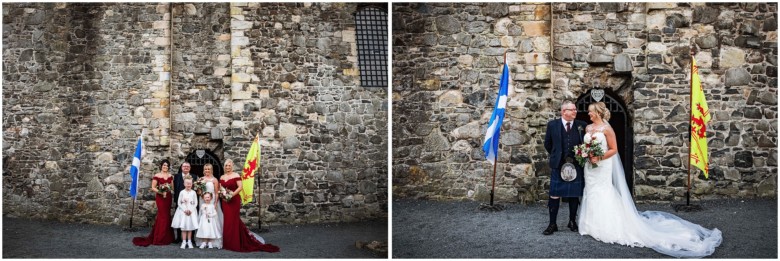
[[601, 109]]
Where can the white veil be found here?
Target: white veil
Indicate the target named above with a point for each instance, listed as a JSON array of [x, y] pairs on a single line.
[[661, 231]]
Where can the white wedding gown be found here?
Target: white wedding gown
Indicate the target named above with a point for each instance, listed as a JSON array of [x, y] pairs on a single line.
[[217, 206], [608, 214]]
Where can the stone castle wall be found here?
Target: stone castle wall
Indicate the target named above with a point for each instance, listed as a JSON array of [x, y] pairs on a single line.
[[447, 60], [82, 80], [324, 136], [737, 58]]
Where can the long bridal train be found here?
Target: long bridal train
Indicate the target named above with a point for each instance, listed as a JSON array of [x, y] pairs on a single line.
[[608, 214]]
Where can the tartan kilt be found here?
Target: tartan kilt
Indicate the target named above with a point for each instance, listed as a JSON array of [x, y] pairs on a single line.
[[561, 188]]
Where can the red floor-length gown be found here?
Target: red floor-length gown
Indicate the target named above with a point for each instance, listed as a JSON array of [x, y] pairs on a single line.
[[235, 235], [162, 232]]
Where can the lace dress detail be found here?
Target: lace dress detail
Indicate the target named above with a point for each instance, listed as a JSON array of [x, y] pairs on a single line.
[[608, 214], [591, 129]]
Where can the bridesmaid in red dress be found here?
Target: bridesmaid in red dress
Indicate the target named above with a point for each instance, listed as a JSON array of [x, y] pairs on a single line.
[[162, 233], [235, 235]]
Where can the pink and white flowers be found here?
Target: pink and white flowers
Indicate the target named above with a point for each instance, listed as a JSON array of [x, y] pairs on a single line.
[[163, 189], [584, 151]]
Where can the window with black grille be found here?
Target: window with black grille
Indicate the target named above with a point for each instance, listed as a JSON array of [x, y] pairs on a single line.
[[371, 34]]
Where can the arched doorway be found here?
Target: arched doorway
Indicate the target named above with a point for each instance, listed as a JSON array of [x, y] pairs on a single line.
[[199, 158], [620, 122]]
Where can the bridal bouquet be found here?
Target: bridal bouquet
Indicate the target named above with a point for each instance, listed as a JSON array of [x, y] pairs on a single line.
[[200, 186], [225, 193], [163, 188], [584, 151]]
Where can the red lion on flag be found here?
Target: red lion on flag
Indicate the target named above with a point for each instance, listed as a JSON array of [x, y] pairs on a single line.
[[248, 174]]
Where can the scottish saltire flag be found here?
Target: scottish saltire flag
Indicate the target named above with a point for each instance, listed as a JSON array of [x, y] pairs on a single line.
[[490, 146], [136, 167]]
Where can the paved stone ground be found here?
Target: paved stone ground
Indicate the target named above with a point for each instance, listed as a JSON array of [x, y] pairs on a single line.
[[24, 238], [432, 229]]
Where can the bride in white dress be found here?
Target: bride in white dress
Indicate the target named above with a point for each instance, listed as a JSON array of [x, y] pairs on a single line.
[[212, 185], [608, 213]]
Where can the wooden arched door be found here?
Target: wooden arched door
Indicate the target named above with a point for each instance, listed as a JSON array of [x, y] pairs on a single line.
[[199, 158], [620, 122]]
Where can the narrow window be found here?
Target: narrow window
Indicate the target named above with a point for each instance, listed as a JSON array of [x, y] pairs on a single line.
[[371, 33]]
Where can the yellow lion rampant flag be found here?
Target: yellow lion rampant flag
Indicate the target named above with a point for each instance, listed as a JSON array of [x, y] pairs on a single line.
[[251, 165], [700, 116]]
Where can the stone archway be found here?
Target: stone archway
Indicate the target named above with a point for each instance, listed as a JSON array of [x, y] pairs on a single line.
[[200, 157], [621, 123]]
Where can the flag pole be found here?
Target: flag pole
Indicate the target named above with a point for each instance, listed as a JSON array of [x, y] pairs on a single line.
[[493, 189], [257, 182], [132, 205], [690, 135], [132, 211], [495, 162]]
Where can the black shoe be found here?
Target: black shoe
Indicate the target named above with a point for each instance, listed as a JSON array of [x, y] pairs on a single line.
[[573, 226], [550, 229]]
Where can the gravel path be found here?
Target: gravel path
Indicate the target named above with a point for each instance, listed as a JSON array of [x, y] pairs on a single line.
[[23, 238], [432, 229]]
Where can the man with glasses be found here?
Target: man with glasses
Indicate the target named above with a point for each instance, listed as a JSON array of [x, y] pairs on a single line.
[[567, 180]]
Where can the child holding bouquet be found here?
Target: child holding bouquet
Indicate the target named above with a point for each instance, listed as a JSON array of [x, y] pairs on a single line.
[[208, 229], [211, 186], [186, 217]]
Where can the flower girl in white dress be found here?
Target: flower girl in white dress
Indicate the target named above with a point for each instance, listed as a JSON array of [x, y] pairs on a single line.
[[208, 228], [212, 186], [186, 217]]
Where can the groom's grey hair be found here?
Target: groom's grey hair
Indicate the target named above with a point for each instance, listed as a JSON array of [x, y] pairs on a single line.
[[566, 102]]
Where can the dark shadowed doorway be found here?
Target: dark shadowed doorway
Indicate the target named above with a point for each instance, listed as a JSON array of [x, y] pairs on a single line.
[[199, 158], [620, 122]]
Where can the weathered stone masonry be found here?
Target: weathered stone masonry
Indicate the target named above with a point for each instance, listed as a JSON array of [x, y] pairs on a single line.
[[82, 80], [447, 59]]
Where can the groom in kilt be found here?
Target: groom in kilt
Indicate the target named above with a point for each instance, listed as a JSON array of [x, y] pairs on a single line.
[[567, 180]]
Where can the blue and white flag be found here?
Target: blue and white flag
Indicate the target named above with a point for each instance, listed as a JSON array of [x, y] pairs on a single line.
[[136, 167], [490, 146]]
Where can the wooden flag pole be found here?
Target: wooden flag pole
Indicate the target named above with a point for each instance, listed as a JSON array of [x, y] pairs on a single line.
[[495, 162], [687, 207], [690, 135], [493, 189], [132, 211], [492, 206], [257, 181], [132, 205]]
